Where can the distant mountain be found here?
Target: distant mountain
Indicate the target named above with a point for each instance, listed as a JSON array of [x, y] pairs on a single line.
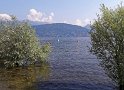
[[61, 30], [87, 26]]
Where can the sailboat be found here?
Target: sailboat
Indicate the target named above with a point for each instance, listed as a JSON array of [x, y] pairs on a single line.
[[58, 40]]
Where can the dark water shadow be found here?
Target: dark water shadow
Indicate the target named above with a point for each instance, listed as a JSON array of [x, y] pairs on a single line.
[[22, 77]]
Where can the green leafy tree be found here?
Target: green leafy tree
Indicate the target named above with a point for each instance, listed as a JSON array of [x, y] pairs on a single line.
[[19, 44], [107, 39]]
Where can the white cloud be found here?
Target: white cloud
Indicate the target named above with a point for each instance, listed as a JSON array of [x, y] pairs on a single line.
[[78, 22], [5, 17], [86, 21], [47, 19], [82, 22], [65, 22], [52, 14], [35, 15]]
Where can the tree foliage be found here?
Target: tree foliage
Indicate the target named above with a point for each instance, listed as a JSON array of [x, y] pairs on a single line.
[[107, 39], [19, 44]]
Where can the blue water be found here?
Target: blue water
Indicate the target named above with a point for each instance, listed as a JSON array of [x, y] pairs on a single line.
[[73, 67]]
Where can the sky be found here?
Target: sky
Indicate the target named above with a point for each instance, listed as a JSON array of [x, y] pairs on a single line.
[[78, 12]]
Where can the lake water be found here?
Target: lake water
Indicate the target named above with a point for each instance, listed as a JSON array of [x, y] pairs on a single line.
[[71, 67]]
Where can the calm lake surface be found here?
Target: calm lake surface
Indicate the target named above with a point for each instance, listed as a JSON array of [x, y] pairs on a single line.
[[71, 67]]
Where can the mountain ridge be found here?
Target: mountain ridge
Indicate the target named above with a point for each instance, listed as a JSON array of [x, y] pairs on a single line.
[[61, 30]]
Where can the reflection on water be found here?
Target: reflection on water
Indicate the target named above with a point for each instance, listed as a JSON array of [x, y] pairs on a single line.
[[23, 77]]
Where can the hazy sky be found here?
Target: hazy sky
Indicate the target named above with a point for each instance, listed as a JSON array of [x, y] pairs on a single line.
[[78, 12]]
